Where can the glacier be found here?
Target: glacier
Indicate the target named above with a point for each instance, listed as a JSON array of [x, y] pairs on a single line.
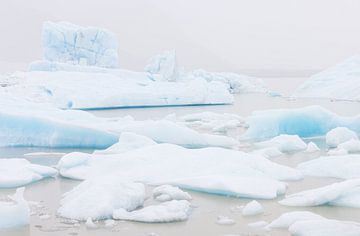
[[340, 82], [308, 121], [16, 172], [14, 214], [67, 42]]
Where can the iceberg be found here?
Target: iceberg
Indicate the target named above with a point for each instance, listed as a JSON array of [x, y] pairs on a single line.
[[341, 82], [287, 219], [252, 208], [97, 198], [351, 146], [16, 172], [171, 211], [343, 167], [165, 193], [339, 135], [200, 169], [346, 193], [165, 65], [312, 147], [66, 42], [305, 122], [14, 214], [284, 143]]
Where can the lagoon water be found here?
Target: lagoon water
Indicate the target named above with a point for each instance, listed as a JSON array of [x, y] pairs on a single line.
[[206, 207]]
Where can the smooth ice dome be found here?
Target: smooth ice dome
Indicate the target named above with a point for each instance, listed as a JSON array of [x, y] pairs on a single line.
[[66, 42], [169, 211], [308, 121], [252, 208], [15, 172], [14, 214], [284, 143], [339, 82], [339, 135], [97, 198], [167, 193]]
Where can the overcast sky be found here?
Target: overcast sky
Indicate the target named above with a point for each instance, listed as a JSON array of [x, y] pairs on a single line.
[[253, 36]]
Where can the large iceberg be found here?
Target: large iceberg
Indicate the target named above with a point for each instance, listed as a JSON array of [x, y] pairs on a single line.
[[339, 82], [14, 214], [66, 42], [197, 169], [305, 122], [17, 172]]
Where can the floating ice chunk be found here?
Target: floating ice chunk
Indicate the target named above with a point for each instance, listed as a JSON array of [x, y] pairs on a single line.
[[285, 143], [312, 147], [305, 122], [15, 214], [66, 42], [351, 146], [339, 135], [170, 211], [252, 208], [344, 167], [127, 141], [165, 65], [225, 220], [289, 218], [269, 152], [324, 228], [331, 194], [17, 172], [109, 223], [167, 193], [90, 224], [214, 170], [339, 82], [233, 186], [97, 198]]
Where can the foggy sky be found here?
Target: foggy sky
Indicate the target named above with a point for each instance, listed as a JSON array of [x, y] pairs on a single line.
[[259, 37]]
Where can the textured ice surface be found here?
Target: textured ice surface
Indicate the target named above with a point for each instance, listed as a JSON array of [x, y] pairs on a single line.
[[167, 193], [213, 170], [87, 90], [344, 167], [285, 143], [305, 122], [339, 82], [98, 198], [346, 193], [339, 135], [14, 214], [165, 65], [252, 208], [170, 211], [66, 42], [17, 172]]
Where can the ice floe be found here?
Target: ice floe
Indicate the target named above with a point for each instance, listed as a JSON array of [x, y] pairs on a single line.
[[170, 211], [213, 170], [305, 122], [252, 208], [284, 143], [14, 214], [346, 193], [165, 193], [66, 42], [351, 146], [344, 167], [225, 220], [312, 147], [339, 135], [339, 82], [15, 172], [97, 198]]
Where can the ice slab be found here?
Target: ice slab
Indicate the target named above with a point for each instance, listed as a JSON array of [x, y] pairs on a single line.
[[346, 193], [343, 167], [340, 82], [17, 172], [67, 42], [98, 198], [339, 135], [14, 214], [170, 211], [284, 143], [168, 164], [305, 122]]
